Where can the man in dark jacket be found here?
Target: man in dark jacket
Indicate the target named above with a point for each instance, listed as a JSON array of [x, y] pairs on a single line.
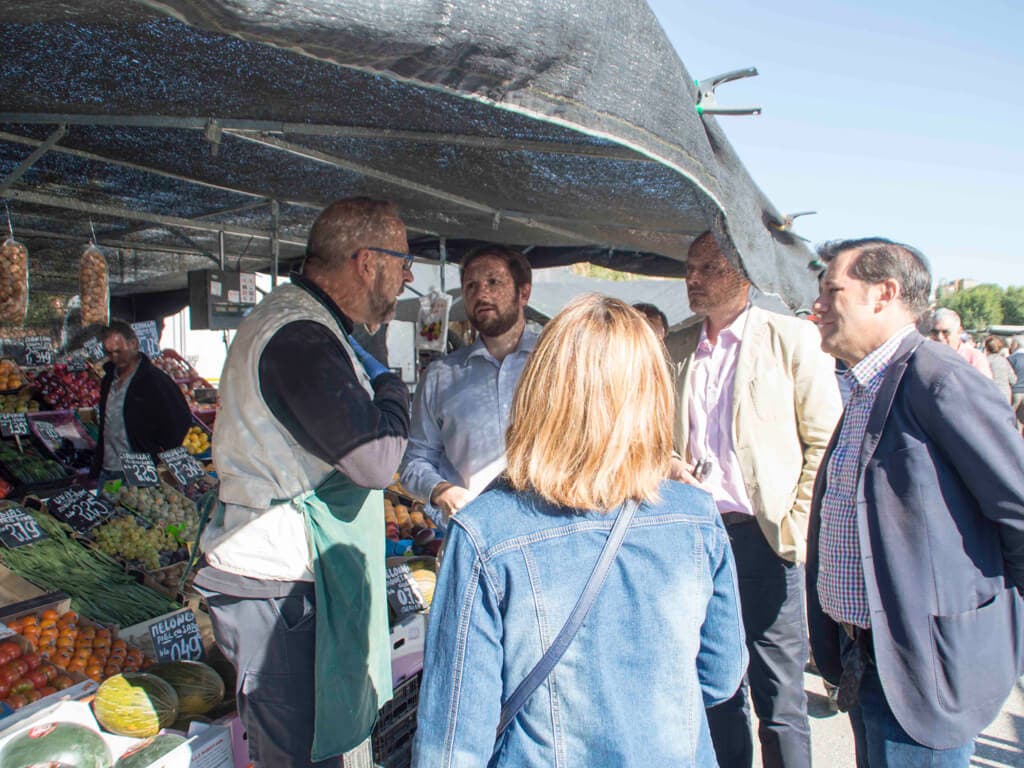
[[141, 408], [916, 542]]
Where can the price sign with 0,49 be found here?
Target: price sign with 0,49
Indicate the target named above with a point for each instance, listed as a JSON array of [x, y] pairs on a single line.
[[139, 470], [184, 468], [177, 638], [18, 527]]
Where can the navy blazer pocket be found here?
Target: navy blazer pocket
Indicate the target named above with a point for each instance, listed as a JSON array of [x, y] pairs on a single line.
[[975, 654]]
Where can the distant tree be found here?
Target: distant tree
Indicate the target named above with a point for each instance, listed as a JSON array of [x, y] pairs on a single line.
[[1013, 306], [978, 307]]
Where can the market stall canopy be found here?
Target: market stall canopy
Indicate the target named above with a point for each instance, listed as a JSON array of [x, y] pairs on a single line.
[[168, 125]]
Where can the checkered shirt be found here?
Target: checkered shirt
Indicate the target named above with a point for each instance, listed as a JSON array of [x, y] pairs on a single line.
[[841, 587]]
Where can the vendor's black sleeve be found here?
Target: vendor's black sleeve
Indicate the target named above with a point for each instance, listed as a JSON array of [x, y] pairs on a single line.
[[310, 385]]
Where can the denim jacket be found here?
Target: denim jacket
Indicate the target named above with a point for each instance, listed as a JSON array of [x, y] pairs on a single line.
[[663, 641]]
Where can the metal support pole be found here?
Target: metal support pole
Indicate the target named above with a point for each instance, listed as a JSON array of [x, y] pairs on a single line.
[[29, 161], [275, 240], [220, 247], [443, 248]]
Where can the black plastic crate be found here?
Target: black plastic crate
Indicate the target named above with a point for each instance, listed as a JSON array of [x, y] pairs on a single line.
[[396, 726]]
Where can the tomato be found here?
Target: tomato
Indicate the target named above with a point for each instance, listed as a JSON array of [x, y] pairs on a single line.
[[9, 651], [38, 678], [50, 671], [48, 690], [15, 701], [32, 695], [33, 660], [22, 686], [4, 690], [18, 667]]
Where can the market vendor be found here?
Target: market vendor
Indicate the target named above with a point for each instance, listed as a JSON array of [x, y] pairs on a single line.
[[460, 414], [141, 408], [294, 554]]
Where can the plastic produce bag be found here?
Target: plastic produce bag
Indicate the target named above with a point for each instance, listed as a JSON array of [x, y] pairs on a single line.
[[94, 286], [432, 323], [13, 282]]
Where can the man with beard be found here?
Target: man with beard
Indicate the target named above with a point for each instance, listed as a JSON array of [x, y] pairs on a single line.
[[457, 442], [293, 567], [758, 401]]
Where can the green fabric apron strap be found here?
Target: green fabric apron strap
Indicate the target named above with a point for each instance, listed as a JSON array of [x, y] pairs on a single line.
[[208, 506], [345, 526]]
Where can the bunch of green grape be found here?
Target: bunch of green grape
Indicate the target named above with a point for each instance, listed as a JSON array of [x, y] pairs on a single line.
[[124, 537]]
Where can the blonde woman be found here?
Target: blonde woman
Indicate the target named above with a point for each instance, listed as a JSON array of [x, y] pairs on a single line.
[[588, 444]]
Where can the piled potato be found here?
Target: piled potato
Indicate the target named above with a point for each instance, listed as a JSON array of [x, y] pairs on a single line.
[[93, 286], [13, 282]]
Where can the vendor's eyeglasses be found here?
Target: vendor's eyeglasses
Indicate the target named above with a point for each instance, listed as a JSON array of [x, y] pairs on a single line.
[[407, 258]]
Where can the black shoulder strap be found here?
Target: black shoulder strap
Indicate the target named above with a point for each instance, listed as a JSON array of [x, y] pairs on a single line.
[[565, 636]]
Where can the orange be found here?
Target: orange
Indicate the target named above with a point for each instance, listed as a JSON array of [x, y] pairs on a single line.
[[49, 613]]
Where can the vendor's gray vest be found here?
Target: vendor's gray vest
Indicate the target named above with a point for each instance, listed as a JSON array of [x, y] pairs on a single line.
[[257, 459]]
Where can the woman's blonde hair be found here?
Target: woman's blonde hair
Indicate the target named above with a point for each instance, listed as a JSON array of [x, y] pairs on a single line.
[[591, 421]]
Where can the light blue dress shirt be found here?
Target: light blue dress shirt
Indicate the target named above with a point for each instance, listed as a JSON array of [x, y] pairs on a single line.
[[459, 417]]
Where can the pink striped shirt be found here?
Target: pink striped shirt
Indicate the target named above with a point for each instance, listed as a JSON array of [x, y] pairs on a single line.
[[711, 430]]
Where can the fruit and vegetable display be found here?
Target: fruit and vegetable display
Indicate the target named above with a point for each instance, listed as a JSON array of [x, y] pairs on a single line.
[[10, 375], [163, 506], [29, 467], [13, 282], [69, 644], [198, 686], [93, 288], [63, 745], [403, 521], [135, 704], [196, 441], [424, 571], [173, 366], [97, 583], [128, 539], [64, 389], [19, 402]]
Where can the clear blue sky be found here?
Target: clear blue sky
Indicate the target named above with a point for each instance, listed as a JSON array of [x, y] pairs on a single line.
[[903, 118]]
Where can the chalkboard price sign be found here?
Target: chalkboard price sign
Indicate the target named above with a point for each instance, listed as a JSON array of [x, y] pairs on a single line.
[[80, 509], [13, 424], [38, 351], [94, 349], [18, 528], [139, 469], [184, 468], [149, 341], [48, 434], [177, 638], [404, 594]]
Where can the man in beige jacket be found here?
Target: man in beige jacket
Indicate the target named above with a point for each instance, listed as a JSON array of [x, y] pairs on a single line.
[[757, 404]]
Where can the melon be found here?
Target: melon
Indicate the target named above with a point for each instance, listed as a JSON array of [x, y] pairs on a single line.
[[198, 685], [146, 753], [67, 745], [135, 704], [184, 721]]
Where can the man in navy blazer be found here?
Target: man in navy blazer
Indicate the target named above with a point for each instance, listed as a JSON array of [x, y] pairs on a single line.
[[916, 543]]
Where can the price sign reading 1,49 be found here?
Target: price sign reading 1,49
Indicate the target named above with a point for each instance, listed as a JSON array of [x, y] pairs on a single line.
[[18, 528], [177, 638], [139, 469]]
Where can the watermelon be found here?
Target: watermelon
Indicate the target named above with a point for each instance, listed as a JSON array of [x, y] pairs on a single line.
[[198, 685], [135, 704], [145, 753], [67, 745]]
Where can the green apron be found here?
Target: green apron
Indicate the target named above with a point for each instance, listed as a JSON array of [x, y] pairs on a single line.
[[345, 526]]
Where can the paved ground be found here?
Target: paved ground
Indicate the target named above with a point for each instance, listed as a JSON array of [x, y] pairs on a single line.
[[1001, 745]]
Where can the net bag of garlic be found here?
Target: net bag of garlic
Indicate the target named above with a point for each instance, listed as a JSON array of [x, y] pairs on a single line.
[[93, 286], [13, 282]]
